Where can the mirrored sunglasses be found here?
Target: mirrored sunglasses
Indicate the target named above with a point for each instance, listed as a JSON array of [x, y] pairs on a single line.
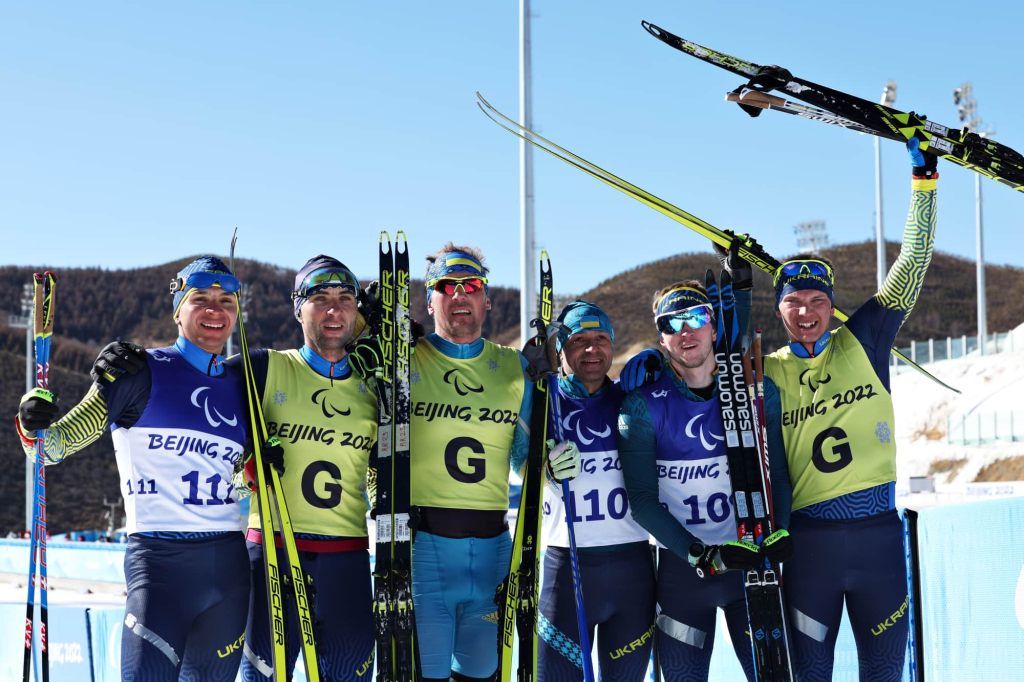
[[808, 268], [327, 277], [694, 318], [448, 287], [205, 280]]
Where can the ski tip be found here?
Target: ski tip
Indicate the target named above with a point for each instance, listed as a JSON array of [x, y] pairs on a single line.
[[651, 28], [385, 238]]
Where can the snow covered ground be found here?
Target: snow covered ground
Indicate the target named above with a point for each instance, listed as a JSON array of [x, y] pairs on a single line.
[[925, 411]]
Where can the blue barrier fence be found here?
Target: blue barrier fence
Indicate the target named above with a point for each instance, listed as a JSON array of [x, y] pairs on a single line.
[[972, 604]]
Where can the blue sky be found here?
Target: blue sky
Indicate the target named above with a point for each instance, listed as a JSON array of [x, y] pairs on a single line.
[[135, 133]]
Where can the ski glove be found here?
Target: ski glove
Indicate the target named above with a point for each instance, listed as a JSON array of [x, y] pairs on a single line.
[[641, 369], [738, 268], [925, 164], [37, 411], [117, 358], [273, 456], [778, 546], [563, 460], [539, 357], [368, 306], [733, 555], [366, 357]]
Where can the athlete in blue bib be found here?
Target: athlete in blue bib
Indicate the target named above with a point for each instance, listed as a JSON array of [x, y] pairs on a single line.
[[178, 427], [671, 443], [615, 562], [828, 400]]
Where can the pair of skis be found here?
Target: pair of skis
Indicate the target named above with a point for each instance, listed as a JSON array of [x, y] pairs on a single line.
[[517, 596], [394, 622], [741, 396], [271, 503], [962, 147], [749, 250], [44, 285]]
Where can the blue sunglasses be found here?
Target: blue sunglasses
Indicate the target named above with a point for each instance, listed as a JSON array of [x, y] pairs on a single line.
[[205, 280]]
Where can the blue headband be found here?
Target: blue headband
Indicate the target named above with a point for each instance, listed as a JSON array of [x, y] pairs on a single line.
[[454, 265], [582, 316], [679, 299], [180, 288]]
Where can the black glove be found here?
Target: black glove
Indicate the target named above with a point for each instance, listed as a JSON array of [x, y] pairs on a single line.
[[539, 357], [37, 411], [738, 268], [117, 358], [417, 332], [715, 559], [365, 357], [273, 454], [778, 546], [925, 164], [368, 305]]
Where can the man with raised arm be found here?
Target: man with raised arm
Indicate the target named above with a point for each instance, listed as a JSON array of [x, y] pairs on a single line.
[[828, 392]]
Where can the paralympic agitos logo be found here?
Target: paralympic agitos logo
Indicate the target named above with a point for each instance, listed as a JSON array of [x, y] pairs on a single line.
[[461, 386], [811, 383], [319, 398]]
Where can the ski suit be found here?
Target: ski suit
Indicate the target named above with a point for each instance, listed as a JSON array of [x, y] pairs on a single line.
[[615, 561], [833, 410]]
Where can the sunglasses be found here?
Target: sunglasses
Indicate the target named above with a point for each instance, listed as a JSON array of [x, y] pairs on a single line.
[[205, 280], [804, 268], [448, 287], [694, 318], [327, 277]]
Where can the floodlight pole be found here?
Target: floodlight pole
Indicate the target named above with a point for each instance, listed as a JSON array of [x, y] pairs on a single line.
[[527, 255], [888, 99]]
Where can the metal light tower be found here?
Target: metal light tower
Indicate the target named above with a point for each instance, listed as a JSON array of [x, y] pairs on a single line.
[[811, 236], [967, 109], [888, 99], [24, 321], [527, 255]]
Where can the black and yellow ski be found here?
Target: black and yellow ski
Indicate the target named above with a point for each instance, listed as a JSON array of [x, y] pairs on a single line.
[[749, 249], [517, 596], [271, 504], [962, 147]]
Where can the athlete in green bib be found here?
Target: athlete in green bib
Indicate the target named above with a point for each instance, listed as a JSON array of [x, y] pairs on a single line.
[[828, 401], [326, 421], [470, 398]]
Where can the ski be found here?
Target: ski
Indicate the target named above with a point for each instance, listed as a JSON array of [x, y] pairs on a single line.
[[586, 662], [750, 250], [271, 504], [392, 591], [750, 480], [517, 595], [44, 285], [962, 147]]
